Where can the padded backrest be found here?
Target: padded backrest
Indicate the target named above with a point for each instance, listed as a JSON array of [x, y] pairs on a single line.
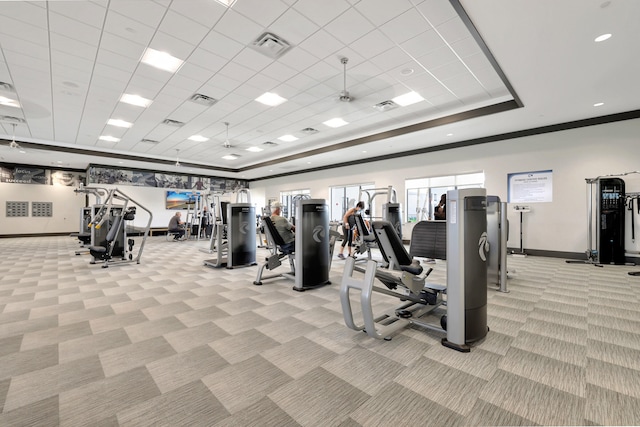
[[429, 239], [388, 239], [113, 231], [271, 229], [363, 230]]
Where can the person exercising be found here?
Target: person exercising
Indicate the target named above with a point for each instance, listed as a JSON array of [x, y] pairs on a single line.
[[348, 225], [285, 229], [176, 226]]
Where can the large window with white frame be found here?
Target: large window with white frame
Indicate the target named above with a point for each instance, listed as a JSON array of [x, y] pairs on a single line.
[[288, 199], [345, 197], [423, 194]]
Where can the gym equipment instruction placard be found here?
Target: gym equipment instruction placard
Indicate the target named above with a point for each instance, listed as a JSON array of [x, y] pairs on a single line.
[[530, 187]]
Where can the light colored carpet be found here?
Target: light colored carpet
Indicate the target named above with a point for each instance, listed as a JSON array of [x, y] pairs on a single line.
[[171, 342]]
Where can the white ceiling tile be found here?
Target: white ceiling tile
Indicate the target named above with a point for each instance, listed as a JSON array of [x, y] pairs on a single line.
[[173, 46], [381, 11], [26, 12], [206, 12], [115, 60], [62, 73], [194, 72], [207, 60], [349, 27], [449, 70], [111, 73], [73, 47], [321, 44], [147, 88], [24, 47], [145, 12], [278, 71], [23, 31], [302, 82], [252, 59], [262, 83], [323, 12], [293, 27], [466, 47], [223, 83], [453, 30], [183, 28], [84, 12], [478, 62], [238, 28], [221, 45], [423, 43], [390, 58], [263, 12], [121, 46], [127, 28], [39, 67], [74, 29], [237, 72], [299, 59], [437, 58], [181, 87], [372, 44], [437, 11], [405, 26]]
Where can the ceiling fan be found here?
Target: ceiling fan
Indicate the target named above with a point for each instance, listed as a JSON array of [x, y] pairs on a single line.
[[13, 144], [344, 95], [226, 143]]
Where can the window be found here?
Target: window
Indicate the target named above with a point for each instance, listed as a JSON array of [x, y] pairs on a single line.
[[344, 198], [423, 194], [289, 198]]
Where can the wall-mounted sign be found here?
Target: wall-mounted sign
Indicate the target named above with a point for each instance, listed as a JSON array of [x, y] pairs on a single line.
[[530, 187]]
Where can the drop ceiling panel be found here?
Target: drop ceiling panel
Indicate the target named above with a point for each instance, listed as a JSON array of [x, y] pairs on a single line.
[[263, 12], [74, 29], [349, 27], [436, 11], [423, 43], [321, 12], [14, 44], [381, 11], [389, 59], [453, 30], [321, 44], [372, 44], [25, 12], [206, 12], [121, 46], [293, 27], [238, 28], [222, 45], [183, 28], [122, 26], [23, 31]]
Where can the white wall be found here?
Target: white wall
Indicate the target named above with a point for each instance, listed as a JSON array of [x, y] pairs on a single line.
[[66, 209], [573, 155]]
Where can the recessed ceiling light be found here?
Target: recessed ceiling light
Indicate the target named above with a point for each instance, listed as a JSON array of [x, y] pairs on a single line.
[[287, 138], [407, 71], [270, 99], [136, 100], [364, 151], [121, 163], [308, 163], [198, 138], [231, 157], [8, 102], [335, 123], [598, 104], [602, 38], [108, 138], [226, 3], [119, 123], [254, 149], [408, 99], [161, 60], [449, 134]]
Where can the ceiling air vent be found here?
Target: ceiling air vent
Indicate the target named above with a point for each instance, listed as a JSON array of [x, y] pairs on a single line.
[[201, 99], [309, 131], [385, 106], [11, 119], [270, 45], [174, 123], [8, 87], [149, 141]]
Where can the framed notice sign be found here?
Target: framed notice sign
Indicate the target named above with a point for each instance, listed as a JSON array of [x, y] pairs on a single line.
[[530, 187]]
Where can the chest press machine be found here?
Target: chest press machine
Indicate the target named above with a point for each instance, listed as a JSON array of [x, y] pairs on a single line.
[[310, 262], [465, 320]]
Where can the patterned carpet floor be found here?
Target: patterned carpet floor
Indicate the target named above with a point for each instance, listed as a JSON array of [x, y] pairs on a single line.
[[171, 342]]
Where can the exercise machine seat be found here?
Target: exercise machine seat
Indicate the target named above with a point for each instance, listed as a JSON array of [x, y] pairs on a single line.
[[277, 238], [101, 252], [403, 259]]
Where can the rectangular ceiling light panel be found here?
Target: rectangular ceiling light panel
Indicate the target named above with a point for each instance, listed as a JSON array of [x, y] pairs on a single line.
[[161, 60], [136, 100], [270, 99], [408, 99], [335, 123], [119, 123]]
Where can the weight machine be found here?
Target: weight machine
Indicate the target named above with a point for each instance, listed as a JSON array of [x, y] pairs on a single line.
[[391, 209]]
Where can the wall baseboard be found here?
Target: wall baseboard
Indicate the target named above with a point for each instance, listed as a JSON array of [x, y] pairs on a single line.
[[61, 233]]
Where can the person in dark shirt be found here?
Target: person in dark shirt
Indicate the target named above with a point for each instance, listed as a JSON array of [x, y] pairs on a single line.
[[440, 211], [285, 229]]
